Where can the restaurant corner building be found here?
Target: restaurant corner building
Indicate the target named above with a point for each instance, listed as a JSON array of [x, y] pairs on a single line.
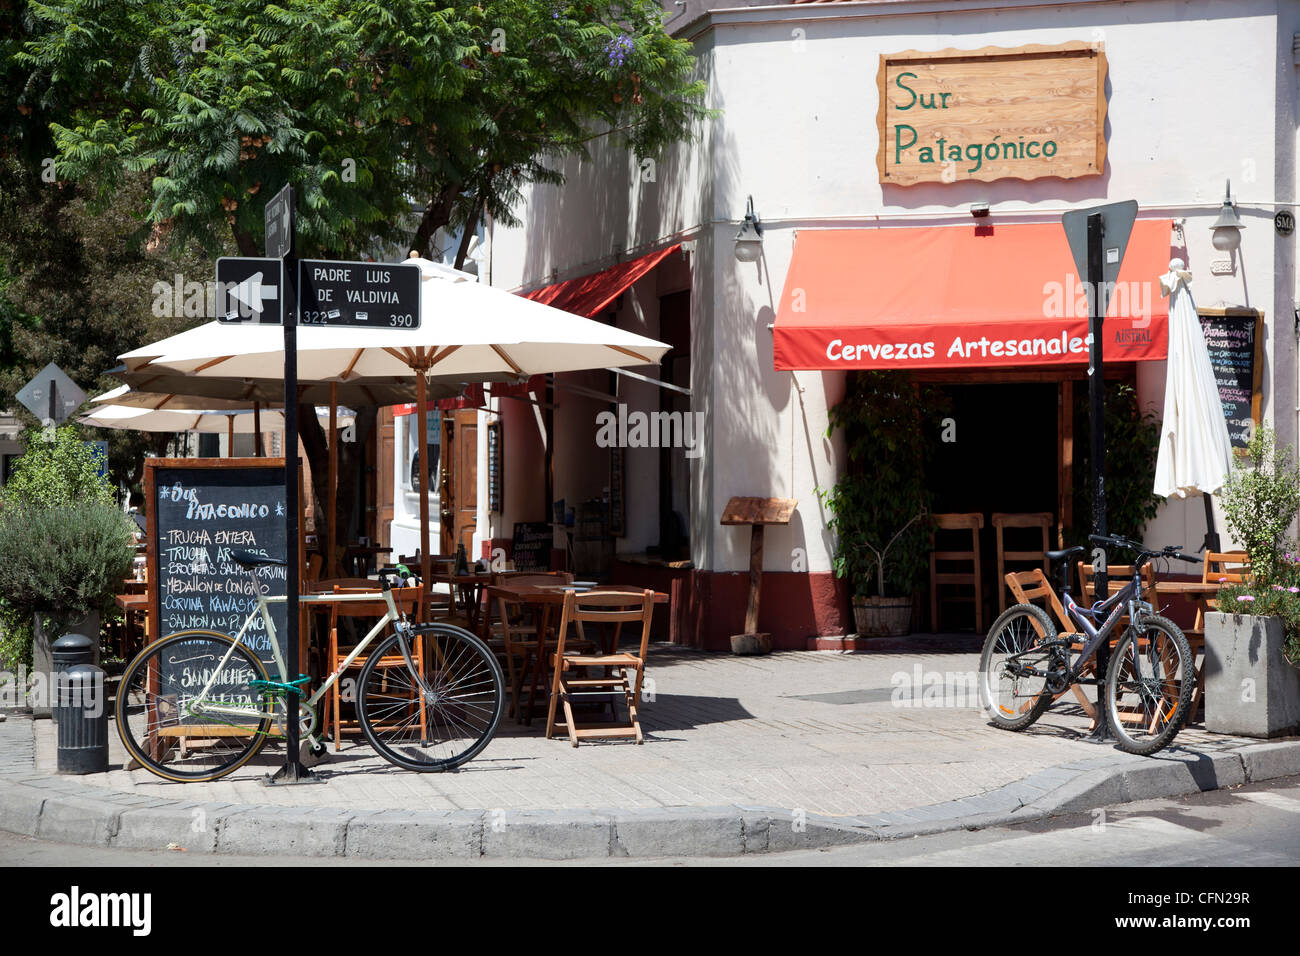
[[873, 256]]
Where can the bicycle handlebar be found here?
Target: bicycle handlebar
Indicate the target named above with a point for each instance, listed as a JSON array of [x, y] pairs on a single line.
[[1116, 541]]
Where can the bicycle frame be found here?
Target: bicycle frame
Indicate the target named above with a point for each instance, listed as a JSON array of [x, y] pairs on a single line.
[[204, 708], [1113, 608]]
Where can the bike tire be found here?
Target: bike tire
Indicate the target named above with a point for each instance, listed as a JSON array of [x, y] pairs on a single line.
[[1158, 707], [408, 728], [1014, 703], [150, 701]]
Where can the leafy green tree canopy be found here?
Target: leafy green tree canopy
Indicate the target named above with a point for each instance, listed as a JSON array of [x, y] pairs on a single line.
[[391, 118]]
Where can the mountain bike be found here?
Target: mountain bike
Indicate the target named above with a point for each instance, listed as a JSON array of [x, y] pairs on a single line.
[[1148, 685], [197, 705]]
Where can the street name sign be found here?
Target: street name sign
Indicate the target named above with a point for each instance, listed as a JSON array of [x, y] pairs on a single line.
[[373, 295], [51, 396], [281, 225]]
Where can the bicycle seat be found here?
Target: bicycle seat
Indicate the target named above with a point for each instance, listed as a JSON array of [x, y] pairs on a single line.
[[248, 560], [1066, 554]]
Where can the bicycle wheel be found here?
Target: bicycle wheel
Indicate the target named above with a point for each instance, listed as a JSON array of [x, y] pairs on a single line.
[[161, 721], [443, 727], [1022, 637], [1149, 685]]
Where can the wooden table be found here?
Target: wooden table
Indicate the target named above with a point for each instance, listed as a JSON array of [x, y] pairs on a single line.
[[472, 587], [543, 599]]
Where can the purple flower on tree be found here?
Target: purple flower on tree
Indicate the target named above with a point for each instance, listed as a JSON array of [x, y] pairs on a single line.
[[618, 48]]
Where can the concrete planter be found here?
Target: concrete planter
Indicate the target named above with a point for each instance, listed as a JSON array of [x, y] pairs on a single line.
[[1250, 688], [43, 660]]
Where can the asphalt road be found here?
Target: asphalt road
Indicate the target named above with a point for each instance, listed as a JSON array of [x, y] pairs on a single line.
[[1251, 826]]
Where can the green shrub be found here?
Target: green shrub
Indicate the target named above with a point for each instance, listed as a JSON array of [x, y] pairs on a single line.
[[1279, 598], [63, 562], [60, 472], [1260, 500], [877, 510], [1132, 446]]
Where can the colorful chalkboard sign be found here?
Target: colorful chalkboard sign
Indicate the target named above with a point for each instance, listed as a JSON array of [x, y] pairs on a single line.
[[531, 549], [200, 511], [1235, 340]]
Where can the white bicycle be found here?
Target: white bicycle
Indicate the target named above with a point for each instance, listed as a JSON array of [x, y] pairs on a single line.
[[197, 705]]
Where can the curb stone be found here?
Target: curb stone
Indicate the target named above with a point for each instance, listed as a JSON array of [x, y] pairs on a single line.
[[63, 810]]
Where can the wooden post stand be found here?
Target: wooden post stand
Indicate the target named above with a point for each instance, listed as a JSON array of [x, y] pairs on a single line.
[[757, 513]]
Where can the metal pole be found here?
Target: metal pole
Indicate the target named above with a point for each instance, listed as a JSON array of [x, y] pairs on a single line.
[[1097, 411], [293, 771]]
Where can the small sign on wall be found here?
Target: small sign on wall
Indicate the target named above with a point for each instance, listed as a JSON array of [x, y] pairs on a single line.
[[998, 113]]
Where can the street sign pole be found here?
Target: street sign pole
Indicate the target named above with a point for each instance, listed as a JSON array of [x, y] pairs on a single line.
[[280, 243], [1098, 237], [1097, 408]]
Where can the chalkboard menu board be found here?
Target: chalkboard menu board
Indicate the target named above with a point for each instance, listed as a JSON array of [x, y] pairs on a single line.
[[1234, 338], [531, 550], [200, 511]]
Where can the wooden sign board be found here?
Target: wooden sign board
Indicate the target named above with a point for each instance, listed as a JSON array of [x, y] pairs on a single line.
[[1235, 341], [998, 113], [759, 511], [199, 511]]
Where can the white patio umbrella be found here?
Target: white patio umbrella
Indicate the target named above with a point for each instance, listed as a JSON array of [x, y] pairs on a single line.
[[231, 420], [468, 332], [1195, 451]]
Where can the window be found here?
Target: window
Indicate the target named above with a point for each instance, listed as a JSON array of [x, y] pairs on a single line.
[[411, 467]]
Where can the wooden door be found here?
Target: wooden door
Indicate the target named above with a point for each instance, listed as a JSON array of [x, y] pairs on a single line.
[[458, 483]]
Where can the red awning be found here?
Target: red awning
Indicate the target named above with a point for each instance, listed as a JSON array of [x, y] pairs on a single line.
[[589, 295], [963, 297]]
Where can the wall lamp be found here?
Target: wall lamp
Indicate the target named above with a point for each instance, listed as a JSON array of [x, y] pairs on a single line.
[[749, 241], [979, 210], [1226, 230]]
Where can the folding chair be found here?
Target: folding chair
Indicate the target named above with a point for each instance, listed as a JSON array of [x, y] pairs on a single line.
[[572, 674]]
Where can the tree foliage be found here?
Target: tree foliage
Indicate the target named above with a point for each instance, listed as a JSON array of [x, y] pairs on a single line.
[[371, 109]]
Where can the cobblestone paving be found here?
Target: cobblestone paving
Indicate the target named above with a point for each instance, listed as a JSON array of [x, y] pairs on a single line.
[[822, 732]]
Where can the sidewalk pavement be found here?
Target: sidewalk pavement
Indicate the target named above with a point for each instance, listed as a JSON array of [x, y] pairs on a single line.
[[793, 750]]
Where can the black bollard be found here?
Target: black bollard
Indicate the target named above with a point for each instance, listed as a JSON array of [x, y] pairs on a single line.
[[67, 651], [82, 714]]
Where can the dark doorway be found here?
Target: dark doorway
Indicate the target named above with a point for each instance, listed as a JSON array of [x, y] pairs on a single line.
[[1001, 455]]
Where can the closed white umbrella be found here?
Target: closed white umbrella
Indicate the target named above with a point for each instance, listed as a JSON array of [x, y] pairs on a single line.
[[1195, 451], [468, 332]]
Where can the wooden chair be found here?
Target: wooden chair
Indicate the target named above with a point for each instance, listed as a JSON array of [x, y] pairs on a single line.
[[515, 640], [973, 522], [341, 612], [1230, 567], [572, 674], [1042, 520], [1117, 575], [1027, 587]]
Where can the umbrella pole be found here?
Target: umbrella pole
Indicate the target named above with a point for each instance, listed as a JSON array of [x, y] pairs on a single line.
[[230, 436], [331, 517], [1211, 536], [422, 424], [257, 428]]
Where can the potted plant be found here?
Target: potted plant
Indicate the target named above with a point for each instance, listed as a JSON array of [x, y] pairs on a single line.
[[65, 548], [878, 508], [1252, 643]]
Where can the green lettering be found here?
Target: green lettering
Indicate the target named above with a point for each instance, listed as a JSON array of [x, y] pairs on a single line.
[[1029, 149], [954, 153], [926, 155], [898, 81], [899, 145], [943, 100], [976, 156], [1051, 143]]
